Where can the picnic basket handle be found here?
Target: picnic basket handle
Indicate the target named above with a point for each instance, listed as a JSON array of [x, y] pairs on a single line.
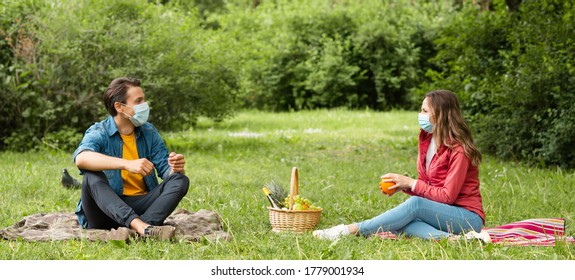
[[294, 187]]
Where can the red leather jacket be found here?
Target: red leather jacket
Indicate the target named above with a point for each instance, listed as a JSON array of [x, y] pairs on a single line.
[[451, 178]]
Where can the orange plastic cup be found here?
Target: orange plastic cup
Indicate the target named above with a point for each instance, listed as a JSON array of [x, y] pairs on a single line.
[[384, 187]]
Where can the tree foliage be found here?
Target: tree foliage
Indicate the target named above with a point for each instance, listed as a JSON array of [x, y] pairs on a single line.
[[326, 54], [514, 72], [57, 57], [510, 62]]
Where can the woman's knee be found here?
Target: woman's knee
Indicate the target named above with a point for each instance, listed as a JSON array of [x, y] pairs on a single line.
[[414, 201]]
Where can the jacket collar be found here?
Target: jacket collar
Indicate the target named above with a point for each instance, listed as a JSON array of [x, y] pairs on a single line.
[[112, 128]]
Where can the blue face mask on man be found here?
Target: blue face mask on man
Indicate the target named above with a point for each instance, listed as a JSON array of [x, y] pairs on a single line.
[[141, 114], [424, 122]]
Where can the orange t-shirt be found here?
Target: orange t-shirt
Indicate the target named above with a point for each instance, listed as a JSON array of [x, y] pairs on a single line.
[[133, 183]]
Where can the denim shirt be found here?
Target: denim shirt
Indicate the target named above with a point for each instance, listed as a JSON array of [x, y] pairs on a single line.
[[103, 137]]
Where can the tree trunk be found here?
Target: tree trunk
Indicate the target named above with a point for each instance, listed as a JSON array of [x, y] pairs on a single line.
[[513, 5]]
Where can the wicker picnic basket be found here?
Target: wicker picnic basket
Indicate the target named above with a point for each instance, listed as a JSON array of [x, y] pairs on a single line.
[[293, 220]]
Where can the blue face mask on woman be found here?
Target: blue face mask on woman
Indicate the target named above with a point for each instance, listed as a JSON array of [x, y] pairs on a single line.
[[424, 122], [141, 114]]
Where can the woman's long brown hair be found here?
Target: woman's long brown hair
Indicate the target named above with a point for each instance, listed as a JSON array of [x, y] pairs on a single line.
[[450, 126]]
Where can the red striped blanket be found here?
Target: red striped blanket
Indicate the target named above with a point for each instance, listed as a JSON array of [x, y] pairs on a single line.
[[530, 232]]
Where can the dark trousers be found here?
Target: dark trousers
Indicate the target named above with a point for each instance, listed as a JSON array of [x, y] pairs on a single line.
[[104, 209]]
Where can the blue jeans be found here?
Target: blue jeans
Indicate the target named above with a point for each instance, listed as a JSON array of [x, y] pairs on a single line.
[[423, 218], [104, 209]]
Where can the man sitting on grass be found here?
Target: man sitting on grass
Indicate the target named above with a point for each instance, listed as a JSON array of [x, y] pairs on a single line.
[[119, 158]]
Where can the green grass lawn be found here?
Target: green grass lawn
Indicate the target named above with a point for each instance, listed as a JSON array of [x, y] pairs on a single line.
[[340, 156]]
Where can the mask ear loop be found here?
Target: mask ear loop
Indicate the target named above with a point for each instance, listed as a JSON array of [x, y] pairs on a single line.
[[122, 104]]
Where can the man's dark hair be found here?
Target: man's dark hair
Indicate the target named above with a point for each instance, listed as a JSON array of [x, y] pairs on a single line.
[[116, 92]]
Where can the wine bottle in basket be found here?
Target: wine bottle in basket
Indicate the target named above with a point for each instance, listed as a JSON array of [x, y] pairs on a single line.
[[274, 201]]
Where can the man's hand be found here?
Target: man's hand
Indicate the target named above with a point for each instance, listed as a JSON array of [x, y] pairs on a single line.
[[176, 162], [140, 166]]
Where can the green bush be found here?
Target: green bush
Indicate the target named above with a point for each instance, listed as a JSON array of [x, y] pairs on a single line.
[[514, 73], [320, 54], [57, 57], [512, 68], [30, 108]]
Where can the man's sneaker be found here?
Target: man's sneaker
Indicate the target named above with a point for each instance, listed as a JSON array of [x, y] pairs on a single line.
[[333, 233], [160, 232], [483, 236]]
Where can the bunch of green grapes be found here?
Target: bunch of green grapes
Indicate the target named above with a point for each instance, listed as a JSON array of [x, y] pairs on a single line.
[[301, 203]]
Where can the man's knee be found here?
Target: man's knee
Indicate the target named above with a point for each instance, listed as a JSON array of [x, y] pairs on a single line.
[[182, 182], [92, 177]]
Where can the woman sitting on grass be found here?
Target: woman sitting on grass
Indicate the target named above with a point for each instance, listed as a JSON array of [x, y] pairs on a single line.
[[445, 199]]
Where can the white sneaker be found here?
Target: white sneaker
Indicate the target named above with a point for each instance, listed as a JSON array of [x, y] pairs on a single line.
[[483, 236], [333, 233]]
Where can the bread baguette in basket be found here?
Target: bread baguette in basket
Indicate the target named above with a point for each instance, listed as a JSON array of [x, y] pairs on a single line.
[[293, 220]]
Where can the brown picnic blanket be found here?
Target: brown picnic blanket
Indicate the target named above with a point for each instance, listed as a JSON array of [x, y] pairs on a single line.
[[190, 226]]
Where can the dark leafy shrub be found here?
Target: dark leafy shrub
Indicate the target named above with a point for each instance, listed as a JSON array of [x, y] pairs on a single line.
[[57, 59], [514, 74], [320, 54]]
